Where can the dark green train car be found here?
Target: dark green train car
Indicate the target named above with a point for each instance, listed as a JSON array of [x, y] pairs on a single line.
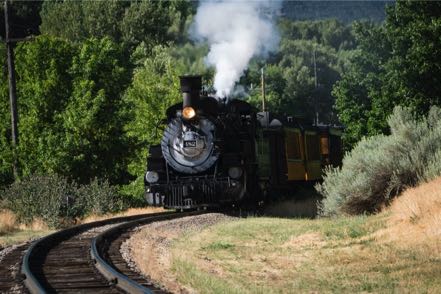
[[291, 151]]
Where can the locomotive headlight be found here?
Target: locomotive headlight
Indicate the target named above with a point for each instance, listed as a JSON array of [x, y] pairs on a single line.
[[188, 112], [151, 177], [235, 172]]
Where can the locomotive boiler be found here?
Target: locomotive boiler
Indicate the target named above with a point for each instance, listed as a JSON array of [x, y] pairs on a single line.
[[215, 153]]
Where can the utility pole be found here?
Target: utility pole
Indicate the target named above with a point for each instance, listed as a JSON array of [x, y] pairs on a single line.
[[12, 90], [262, 79], [316, 86]]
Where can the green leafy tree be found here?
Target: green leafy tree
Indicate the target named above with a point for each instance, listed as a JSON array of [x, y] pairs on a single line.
[[63, 19], [131, 22], [92, 127], [291, 83], [70, 97], [154, 88], [6, 155], [43, 90], [397, 63], [146, 21]]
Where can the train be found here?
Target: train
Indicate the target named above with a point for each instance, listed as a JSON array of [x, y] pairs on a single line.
[[217, 153]]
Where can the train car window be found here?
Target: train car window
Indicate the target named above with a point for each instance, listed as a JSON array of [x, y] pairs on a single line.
[[313, 146], [293, 145]]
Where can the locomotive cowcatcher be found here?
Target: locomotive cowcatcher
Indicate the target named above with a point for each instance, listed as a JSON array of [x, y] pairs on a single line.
[[223, 152]]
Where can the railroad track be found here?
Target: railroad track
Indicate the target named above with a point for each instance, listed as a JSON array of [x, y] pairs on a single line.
[[86, 259]]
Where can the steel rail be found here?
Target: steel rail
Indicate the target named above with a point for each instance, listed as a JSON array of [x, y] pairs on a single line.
[[110, 272], [32, 283]]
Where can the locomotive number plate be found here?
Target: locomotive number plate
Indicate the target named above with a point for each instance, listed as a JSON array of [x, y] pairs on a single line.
[[191, 143]]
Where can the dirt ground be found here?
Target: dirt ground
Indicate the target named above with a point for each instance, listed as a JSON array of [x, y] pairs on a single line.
[[148, 251]]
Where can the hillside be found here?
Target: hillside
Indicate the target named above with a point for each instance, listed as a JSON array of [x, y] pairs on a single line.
[[345, 11], [395, 251], [415, 219]]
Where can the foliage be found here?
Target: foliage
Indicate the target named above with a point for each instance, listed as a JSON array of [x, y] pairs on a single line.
[[155, 87], [57, 201], [6, 152], [380, 167], [127, 22], [92, 126], [43, 90], [290, 74], [24, 19], [330, 32], [69, 102], [98, 197], [395, 64]]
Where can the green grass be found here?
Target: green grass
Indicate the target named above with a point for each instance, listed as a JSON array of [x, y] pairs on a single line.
[[271, 255]]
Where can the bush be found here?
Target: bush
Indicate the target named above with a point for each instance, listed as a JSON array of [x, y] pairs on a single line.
[[98, 198], [57, 201], [380, 167]]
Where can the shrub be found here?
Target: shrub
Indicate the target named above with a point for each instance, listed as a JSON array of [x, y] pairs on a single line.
[[380, 167], [57, 201], [98, 197], [46, 197]]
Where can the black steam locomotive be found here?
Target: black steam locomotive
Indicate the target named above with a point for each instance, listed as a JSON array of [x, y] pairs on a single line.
[[216, 153]]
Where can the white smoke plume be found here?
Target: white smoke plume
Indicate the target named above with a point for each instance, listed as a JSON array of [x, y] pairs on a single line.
[[236, 31]]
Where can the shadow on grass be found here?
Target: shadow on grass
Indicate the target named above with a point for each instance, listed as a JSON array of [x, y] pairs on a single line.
[[300, 204]]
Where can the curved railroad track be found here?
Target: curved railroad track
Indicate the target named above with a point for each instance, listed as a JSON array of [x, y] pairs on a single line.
[[83, 259]]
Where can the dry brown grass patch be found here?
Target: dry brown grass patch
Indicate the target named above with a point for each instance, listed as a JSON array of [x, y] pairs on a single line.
[[128, 212], [307, 240], [8, 222], [415, 218]]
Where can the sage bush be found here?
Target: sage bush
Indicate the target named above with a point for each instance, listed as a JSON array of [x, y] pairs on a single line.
[[381, 166], [57, 201]]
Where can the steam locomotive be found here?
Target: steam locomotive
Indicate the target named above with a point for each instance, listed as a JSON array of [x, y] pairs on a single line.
[[216, 153]]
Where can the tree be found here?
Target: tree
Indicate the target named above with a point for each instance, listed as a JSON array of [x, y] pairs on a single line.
[[154, 88], [397, 63], [290, 81], [131, 22], [361, 80], [6, 155], [63, 19], [43, 88], [69, 104], [93, 144]]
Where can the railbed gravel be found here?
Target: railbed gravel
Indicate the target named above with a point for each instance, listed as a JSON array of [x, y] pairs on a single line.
[[147, 251]]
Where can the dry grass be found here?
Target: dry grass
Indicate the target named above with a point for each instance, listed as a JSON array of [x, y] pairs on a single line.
[[8, 222], [128, 212], [12, 232], [415, 218], [396, 251]]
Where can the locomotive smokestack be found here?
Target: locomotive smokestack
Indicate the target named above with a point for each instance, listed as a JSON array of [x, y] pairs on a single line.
[[190, 87]]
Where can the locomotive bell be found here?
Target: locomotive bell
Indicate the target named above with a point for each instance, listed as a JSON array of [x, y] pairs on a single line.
[[190, 88]]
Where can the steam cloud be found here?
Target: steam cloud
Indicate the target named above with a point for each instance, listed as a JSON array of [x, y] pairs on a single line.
[[236, 32]]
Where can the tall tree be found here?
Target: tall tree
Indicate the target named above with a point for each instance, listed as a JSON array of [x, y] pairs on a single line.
[[150, 22], [154, 88], [397, 63], [93, 142], [44, 86]]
